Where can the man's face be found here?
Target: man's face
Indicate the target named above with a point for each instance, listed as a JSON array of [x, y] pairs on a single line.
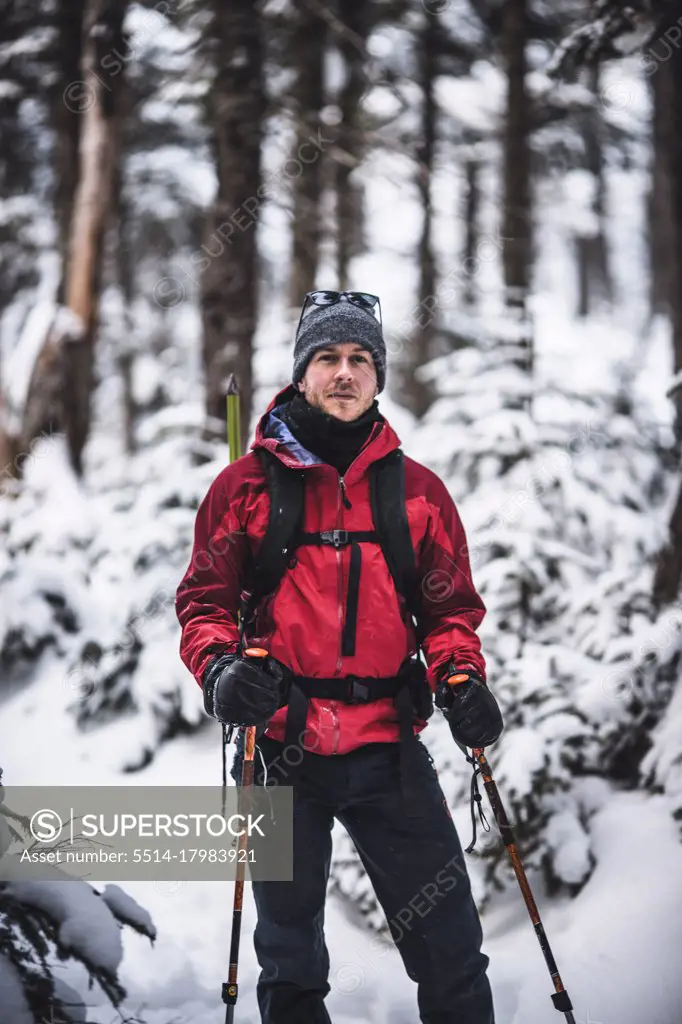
[[341, 380]]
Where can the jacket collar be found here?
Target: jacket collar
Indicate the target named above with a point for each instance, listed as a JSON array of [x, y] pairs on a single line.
[[273, 434]]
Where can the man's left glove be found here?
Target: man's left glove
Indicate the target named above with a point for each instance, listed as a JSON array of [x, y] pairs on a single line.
[[245, 691], [471, 710]]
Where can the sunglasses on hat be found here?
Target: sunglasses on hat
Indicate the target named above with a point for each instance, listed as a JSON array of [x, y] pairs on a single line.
[[364, 300]]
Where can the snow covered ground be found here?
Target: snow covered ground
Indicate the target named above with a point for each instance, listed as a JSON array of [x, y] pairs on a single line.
[[617, 944]]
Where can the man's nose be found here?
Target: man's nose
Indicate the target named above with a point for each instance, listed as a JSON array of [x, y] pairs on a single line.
[[344, 369]]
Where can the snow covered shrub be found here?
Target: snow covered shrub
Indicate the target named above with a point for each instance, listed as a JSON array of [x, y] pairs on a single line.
[[557, 499], [42, 589], [48, 922], [90, 577], [556, 491]]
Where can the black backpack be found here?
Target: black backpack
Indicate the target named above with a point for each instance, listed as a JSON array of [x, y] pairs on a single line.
[[284, 534]]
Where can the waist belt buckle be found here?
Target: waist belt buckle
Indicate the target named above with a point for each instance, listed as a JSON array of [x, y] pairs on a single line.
[[357, 692], [338, 538]]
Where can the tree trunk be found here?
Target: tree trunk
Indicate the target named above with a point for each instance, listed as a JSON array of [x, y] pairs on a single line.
[[17, 159], [583, 264], [357, 20], [44, 412], [103, 33], [68, 104], [660, 219], [309, 41], [125, 271], [415, 394], [673, 159], [230, 271], [425, 157], [9, 450], [473, 197], [517, 213], [62, 380], [516, 228], [594, 274], [668, 575]]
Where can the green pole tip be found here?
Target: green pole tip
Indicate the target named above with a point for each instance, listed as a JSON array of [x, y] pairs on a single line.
[[232, 386]]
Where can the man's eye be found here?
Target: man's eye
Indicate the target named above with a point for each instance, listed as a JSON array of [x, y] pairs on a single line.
[[358, 358]]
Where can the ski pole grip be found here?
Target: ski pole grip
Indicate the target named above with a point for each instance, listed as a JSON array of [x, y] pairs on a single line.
[[457, 678]]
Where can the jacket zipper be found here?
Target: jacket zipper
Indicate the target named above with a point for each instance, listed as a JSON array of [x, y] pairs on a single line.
[[344, 496], [341, 497]]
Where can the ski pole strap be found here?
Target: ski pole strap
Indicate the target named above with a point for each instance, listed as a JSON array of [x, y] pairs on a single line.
[[475, 801]]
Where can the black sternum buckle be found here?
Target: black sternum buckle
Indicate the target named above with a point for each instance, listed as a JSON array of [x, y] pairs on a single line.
[[357, 691], [338, 538]]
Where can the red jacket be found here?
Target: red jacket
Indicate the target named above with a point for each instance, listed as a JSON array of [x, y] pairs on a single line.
[[301, 624]]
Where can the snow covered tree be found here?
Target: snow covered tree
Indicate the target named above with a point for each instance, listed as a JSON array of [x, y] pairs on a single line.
[[352, 30], [44, 924], [417, 395], [70, 347], [308, 96], [612, 30], [25, 230], [557, 503], [621, 30], [236, 106]]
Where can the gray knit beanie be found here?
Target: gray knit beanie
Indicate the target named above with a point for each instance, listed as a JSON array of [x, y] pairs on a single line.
[[342, 321]]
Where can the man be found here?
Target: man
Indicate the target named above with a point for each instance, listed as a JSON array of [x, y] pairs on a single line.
[[335, 618]]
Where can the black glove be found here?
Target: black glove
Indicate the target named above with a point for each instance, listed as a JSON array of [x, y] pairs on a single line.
[[211, 676], [245, 691], [471, 710]]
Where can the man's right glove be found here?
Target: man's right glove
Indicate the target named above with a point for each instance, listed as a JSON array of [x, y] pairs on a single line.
[[245, 691], [471, 710]]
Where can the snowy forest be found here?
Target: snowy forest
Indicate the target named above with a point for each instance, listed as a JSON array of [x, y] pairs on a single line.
[[507, 176]]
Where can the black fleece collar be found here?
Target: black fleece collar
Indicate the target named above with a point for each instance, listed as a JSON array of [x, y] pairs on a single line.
[[331, 439]]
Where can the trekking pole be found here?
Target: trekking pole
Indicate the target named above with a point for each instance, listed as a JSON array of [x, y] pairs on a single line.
[[234, 440], [560, 996], [230, 988]]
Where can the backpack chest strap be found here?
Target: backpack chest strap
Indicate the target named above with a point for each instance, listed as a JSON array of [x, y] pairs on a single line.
[[339, 538]]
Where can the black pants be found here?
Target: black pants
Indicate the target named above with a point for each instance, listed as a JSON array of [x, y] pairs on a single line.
[[415, 865]]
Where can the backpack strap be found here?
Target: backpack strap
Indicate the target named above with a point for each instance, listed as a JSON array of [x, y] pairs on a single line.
[[285, 488], [389, 512]]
